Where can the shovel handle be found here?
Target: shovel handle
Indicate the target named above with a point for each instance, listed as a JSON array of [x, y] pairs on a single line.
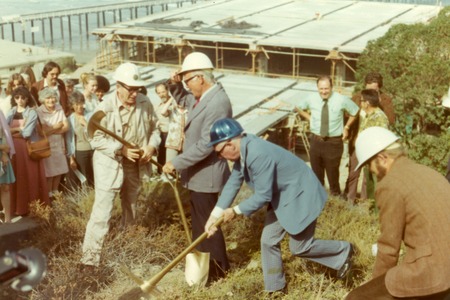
[[148, 285]]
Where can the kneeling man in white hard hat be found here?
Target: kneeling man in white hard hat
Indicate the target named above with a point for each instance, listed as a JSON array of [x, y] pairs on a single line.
[[414, 209]]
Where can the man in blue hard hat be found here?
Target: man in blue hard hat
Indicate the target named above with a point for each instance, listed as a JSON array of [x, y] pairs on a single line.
[[293, 194]]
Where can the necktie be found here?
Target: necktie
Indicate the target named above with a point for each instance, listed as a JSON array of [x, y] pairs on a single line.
[[197, 101], [324, 122]]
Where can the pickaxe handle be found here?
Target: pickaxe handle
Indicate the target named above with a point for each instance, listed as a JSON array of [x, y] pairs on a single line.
[[94, 124], [113, 135], [148, 285]]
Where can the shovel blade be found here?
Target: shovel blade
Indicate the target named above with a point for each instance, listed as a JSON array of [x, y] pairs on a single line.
[[197, 268], [94, 121]]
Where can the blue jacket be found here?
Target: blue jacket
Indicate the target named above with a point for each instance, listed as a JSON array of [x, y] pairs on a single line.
[[31, 118], [70, 134], [277, 177]]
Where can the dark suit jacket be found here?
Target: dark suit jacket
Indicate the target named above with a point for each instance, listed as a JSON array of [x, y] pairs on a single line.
[[414, 203], [63, 99], [277, 177], [201, 170]]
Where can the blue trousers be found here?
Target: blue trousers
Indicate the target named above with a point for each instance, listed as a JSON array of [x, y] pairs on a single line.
[[326, 252]]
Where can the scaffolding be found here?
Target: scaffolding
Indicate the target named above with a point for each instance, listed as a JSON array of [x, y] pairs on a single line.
[[255, 60]]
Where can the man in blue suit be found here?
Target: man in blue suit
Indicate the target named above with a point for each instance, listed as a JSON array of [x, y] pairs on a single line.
[[294, 195]]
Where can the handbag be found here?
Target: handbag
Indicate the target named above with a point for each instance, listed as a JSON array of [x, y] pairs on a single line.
[[39, 149]]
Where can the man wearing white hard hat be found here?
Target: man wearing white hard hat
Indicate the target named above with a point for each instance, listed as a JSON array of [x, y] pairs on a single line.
[[414, 210], [117, 168], [202, 172]]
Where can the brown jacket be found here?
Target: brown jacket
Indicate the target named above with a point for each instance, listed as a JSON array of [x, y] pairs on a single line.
[[414, 205], [63, 99]]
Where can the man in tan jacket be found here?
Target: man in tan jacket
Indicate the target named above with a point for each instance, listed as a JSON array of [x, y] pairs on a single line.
[[118, 168], [414, 209]]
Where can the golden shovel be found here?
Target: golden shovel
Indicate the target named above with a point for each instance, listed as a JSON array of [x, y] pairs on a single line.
[[149, 286], [197, 263]]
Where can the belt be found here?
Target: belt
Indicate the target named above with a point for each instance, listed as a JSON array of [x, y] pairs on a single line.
[[325, 138]]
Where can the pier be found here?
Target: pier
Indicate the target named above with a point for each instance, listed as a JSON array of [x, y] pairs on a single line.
[[44, 23]]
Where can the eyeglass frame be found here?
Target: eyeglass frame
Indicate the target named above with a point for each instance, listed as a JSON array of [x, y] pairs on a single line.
[[186, 81], [17, 97], [130, 89]]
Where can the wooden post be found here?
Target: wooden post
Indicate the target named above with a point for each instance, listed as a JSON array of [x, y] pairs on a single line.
[[43, 31], [136, 12], [51, 30], [114, 15], [3, 32], [62, 28], [12, 32], [79, 24], [98, 19], [131, 14], [23, 32], [87, 24], [32, 32], [120, 15], [70, 27]]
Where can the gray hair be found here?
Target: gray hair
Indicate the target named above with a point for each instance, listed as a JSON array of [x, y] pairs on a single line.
[[47, 93], [77, 98], [395, 150], [207, 75]]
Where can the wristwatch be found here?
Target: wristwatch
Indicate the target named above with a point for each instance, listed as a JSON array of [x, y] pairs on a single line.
[[347, 127]]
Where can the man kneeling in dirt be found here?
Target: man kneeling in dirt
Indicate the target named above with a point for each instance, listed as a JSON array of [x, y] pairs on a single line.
[[414, 209], [294, 196]]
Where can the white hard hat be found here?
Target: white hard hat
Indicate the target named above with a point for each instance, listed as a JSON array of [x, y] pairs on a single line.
[[196, 61], [128, 73], [372, 141]]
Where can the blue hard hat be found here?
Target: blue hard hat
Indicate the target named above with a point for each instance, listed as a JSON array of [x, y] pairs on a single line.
[[223, 130]]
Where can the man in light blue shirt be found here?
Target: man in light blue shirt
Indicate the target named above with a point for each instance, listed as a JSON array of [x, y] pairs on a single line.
[[326, 120]]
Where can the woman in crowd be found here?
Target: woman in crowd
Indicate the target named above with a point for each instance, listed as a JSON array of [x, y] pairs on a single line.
[[31, 77], [15, 81], [103, 87], [7, 177], [30, 182], [162, 112], [89, 82], [79, 150], [70, 87], [54, 123], [177, 114]]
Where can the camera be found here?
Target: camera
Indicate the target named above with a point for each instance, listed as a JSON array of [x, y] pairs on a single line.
[[22, 270]]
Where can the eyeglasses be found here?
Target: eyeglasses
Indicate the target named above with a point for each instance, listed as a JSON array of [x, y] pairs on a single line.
[[189, 79], [130, 89], [17, 97]]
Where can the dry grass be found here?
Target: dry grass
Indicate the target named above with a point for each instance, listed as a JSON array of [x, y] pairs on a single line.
[[159, 237]]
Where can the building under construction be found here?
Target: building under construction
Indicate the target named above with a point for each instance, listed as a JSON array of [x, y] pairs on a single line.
[[285, 43], [283, 38]]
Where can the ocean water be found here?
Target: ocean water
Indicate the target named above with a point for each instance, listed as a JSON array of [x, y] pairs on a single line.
[[84, 46]]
